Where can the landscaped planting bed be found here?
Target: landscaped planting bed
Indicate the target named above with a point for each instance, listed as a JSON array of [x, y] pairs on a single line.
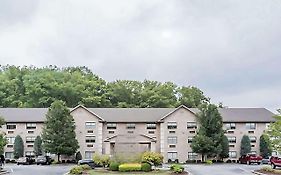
[[269, 171]]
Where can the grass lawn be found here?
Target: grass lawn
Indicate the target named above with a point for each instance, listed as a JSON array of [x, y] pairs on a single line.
[[103, 172]]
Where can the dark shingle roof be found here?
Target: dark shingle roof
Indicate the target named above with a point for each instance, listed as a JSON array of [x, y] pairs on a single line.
[[138, 114]]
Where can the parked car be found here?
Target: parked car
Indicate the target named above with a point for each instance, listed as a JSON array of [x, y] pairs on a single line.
[[250, 158], [43, 160], [275, 161], [89, 162], [25, 161], [266, 160]]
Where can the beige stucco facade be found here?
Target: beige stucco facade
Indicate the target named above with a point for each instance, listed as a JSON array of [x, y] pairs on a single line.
[[171, 135]]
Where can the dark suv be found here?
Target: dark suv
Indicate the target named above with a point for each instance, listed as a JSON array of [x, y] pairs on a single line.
[[43, 160], [89, 162]]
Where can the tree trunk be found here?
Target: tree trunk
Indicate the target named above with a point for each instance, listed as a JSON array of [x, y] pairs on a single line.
[[203, 156], [58, 157]]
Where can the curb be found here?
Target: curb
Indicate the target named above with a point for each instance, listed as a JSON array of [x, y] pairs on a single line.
[[258, 173], [4, 172]]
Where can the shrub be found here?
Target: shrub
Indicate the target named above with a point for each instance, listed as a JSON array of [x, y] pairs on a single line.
[[102, 160], [209, 162], [130, 167], [146, 167], [176, 168], [76, 170], [114, 166], [152, 158], [85, 167]]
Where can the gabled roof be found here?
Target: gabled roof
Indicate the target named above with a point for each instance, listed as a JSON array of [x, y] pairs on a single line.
[[81, 106], [181, 106]]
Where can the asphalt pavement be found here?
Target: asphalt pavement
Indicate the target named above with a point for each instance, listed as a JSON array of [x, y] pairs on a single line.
[[14, 169]]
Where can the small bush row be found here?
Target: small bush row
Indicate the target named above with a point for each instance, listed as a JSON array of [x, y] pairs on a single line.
[[176, 168], [130, 167], [79, 169]]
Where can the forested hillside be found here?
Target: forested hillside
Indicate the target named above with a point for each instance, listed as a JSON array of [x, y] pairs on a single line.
[[39, 87]]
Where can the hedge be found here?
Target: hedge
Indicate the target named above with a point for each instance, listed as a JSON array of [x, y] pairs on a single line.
[[114, 166], [130, 167], [145, 167]]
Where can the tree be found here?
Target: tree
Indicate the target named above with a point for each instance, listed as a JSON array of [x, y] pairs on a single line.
[[192, 97], [152, 158], [245, 145], [18, 147], [59, 131], [78, 156], [3, 140], [225, 148], [38, 146], [265, 146], [208, 140], [274, 132]]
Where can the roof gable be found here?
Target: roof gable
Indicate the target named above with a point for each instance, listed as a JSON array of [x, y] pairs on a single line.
[[180, 107], [91, 112]]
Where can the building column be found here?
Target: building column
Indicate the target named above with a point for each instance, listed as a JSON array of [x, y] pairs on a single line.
[[107, 148], [99, 140], [153, 147], [162, 140]]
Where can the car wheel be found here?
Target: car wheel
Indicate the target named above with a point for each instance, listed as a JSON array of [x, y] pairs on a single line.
[[249, 163], [17, 163], [259, 163], [273, 166]]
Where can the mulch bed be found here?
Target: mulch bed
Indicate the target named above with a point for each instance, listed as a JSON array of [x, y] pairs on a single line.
[[183, 173], [267, 173]]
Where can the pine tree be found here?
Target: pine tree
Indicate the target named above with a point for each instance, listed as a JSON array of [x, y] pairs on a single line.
[[245, 145], [59, 131], [225, 148], [265, 146], [18, 147], [38, 146], [208, 140]]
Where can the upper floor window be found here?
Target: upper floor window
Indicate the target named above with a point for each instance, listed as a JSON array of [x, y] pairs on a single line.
[[90, 125], [253, 139], [172, 140], [231, 139], [111, 125], [30, 139], [267, 125], [131, 125], [90, 139], [189, 139], [10, 140], [151, 126], [30, 125], [172, 125], [11, 126], [250, 125], [230, 125], [191, 125]]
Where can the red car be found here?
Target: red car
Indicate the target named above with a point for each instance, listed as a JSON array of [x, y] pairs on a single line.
[[250, 158], [275, 162]]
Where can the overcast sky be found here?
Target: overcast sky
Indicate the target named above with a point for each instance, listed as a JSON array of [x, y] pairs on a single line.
[[229, 49]]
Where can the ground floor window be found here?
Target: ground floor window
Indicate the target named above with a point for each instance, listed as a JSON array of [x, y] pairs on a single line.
[[9, 155], [172, 155], [192, 156], [89, 154], [29, 153], [232, 154]]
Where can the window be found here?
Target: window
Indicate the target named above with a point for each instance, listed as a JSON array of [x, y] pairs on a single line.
[[250, 126], [172, 146], [251, 132], [30, 132], [29, 153], [267, 126], [30, 125], [89, 154], [172, 132], [10, 146], [231, 139], [30, 139], [253, 152], [90, 139], [191, 125], [11, 126], [172, 140], [90, 146], [131, 125], [151, 126], [9, 155], [151, 132], [130, 132], [90, 125], [232, 154], [230, 126], [11, 140], [30, 146], [192, 132], [172, 155], [90, 131], [189, 139], [253, 146], [230, 132], [192, 156], [253, 139], [172, 125], [10, 132], [111, 125], [231, 146], [110, 132]]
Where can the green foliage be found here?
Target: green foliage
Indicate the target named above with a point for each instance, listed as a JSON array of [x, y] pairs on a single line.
[[78, 156], [85, 167], [38, 146], [59, 131], [3, 143], [102, 160], [130, 167], [152, 158], [274, 131], [208, 140], [18, 147], [79, 169], [40, 87], [2, 121], [209, 162], [114, 166], [265, 146], [176, 168], [225, 148], [146, 167], [245, 145]]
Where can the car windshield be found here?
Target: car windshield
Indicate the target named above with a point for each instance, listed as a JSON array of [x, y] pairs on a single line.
[[41, 157]]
